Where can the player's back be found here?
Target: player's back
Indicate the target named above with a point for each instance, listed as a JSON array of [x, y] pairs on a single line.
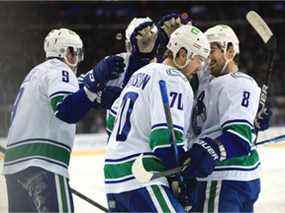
[[135, 107], [34, 127], [139, 112]]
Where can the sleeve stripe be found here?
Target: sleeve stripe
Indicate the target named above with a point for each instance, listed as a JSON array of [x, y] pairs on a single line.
[[129, 158], [113, 111], [231, 122], [239, 135], [165, 125], [166, 146], [60, 92]]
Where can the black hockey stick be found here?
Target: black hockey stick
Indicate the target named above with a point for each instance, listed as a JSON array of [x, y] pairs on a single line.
[[271, 44], [138, 169], [92, 202], [171, 172]]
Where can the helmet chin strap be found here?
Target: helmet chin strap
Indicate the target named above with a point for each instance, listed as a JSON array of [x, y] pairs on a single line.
[[223, 71], [180, 66], [226, 64], [72, 66]]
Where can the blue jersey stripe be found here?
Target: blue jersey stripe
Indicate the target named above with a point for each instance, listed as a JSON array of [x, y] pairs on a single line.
[[165, 125], [39, 158], [237, 121], [129, 157], [119, 181], [113, 111]]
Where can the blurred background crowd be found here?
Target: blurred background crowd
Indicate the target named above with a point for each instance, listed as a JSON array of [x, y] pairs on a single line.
[[101, 25]]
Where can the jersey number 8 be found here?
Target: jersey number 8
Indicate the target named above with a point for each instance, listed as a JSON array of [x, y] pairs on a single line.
[[245, 99]]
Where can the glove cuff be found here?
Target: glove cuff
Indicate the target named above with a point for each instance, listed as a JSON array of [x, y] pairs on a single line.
[[222, 150], [92, 96]]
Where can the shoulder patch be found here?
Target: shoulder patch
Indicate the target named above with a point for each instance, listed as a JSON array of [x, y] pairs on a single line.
[[174, 72], [241, 75]]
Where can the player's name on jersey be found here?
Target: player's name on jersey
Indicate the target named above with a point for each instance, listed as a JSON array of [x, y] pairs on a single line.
[[139, 80]]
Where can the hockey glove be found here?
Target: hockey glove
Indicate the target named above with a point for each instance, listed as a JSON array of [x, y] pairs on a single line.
[[169, 23], [109, 95], [166, 25], [263, 117], [204, 156], [135, 62], [143, 40], [184, 193], [107, 69]]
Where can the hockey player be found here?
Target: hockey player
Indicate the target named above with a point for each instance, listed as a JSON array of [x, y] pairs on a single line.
[[42, 130], [222, 156], [144, 40], [140, 126]]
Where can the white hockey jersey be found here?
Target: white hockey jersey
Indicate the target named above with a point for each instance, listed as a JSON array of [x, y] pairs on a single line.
[[140, 124], [228, 103], [36, 136]]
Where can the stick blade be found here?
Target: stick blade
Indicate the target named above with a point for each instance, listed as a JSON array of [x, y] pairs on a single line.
[[140, 172], [259, 25]]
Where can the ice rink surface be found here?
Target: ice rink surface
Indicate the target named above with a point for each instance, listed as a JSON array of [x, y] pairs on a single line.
[[86, 172]]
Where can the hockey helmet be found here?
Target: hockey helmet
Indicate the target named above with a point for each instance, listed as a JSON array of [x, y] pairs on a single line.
[[223, 34], [190, 38], [59, 40]]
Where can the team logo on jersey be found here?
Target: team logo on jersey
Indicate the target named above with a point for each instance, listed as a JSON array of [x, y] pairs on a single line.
[[199, 114]]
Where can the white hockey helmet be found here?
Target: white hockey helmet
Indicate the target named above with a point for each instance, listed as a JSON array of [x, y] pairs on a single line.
[[59, 40], [224, 35], [132, 27], [190, 38]]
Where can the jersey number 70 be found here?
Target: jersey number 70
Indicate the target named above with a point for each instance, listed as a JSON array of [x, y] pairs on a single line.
[[127, 106]]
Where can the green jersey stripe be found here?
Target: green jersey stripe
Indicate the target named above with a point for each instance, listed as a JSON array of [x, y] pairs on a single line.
[[55, 101], [160, 198], [46, 150], [120, 170], [110, 121], [212, 196], [63, 194], [160, 137], [242, 130]]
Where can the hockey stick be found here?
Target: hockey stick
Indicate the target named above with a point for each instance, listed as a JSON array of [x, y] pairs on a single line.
[[271, 43], [276, 139], [92, 202], [138, 169], [170, 172]]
